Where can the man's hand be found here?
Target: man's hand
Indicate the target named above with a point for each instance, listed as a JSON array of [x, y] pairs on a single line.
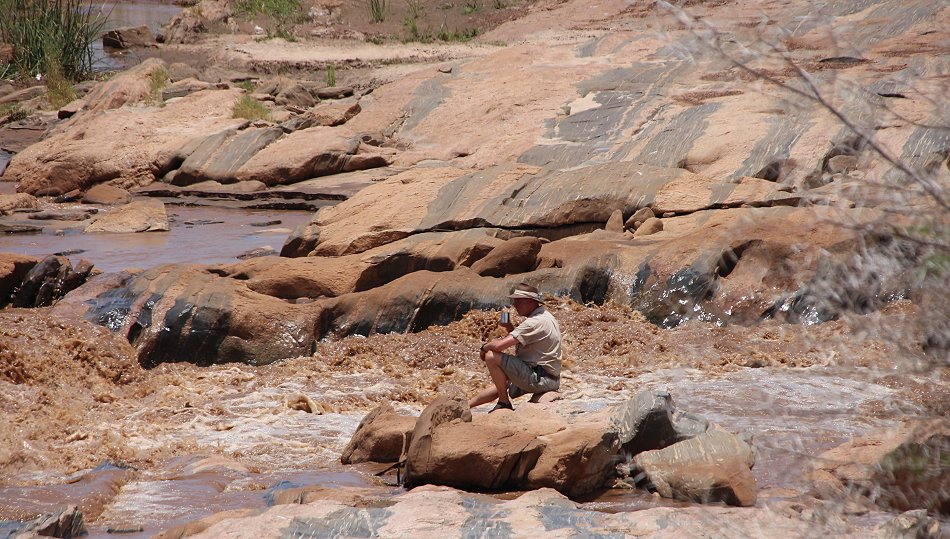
[[498, 345], [509, 327]]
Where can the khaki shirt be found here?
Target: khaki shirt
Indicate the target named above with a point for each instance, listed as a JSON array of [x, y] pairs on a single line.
[[539, 341]]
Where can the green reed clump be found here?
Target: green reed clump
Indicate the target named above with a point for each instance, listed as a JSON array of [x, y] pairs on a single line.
[[59, 89], [250, 109], [47, 33], [377, 10], [331, 75], [158, 80]]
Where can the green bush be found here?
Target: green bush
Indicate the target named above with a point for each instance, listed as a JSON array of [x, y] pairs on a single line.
[[50, 33], [331, 75], [250, 109]]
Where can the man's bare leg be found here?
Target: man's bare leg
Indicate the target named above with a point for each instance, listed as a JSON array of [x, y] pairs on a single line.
[[498, 377], [486, 395]]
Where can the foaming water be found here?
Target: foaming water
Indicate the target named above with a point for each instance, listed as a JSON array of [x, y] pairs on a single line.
[[198, 235], [790, 415]]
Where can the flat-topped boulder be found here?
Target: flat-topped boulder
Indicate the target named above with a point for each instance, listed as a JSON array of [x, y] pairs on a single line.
[[137, 216]]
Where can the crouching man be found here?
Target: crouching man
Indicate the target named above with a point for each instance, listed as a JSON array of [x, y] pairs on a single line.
[[535, 366]]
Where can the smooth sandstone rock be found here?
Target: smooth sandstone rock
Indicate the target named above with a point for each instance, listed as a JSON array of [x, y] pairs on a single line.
[[651, 226], [615, 222], [106, 195], [712, 467], [638, 218], [128, 147], [138, 216], [517, 255], [17, 201], [128, 37], [381, 436]]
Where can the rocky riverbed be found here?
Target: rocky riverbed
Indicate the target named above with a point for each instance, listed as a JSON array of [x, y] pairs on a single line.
[[740, 205]]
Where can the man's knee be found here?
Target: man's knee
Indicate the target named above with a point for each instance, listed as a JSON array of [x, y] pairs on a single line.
[[493, 358]]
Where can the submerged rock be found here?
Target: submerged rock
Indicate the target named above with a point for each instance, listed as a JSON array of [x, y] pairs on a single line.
[[714, 466], [905, 468]]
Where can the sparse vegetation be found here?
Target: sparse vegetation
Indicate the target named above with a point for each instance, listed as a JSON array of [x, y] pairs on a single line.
[[499, 4], [413, 8], [157, 81], [378, 9], [284, 14], [50, 33], [59, 90], [444, 34], [463, 35], [471, 6], [331, 75], [250, 109], [12, 112], [246, 85], [413, 28]]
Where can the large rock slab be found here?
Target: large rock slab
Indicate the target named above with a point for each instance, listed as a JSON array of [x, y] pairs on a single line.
[[219, 156], [314, 277], [310, 153], [433, 511], [113, 141]]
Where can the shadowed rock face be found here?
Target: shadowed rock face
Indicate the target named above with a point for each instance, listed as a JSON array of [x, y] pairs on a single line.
[[28, 282], [184, 313]]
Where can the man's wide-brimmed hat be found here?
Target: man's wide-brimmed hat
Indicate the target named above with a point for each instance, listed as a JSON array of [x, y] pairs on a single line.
[[519, 293]]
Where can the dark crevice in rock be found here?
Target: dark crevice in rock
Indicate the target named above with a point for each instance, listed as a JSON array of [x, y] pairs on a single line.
[[158, 191], [771, 172], [729, 259]]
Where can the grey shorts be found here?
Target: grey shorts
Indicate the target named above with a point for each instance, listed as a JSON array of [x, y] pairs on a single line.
[[524, 378]]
